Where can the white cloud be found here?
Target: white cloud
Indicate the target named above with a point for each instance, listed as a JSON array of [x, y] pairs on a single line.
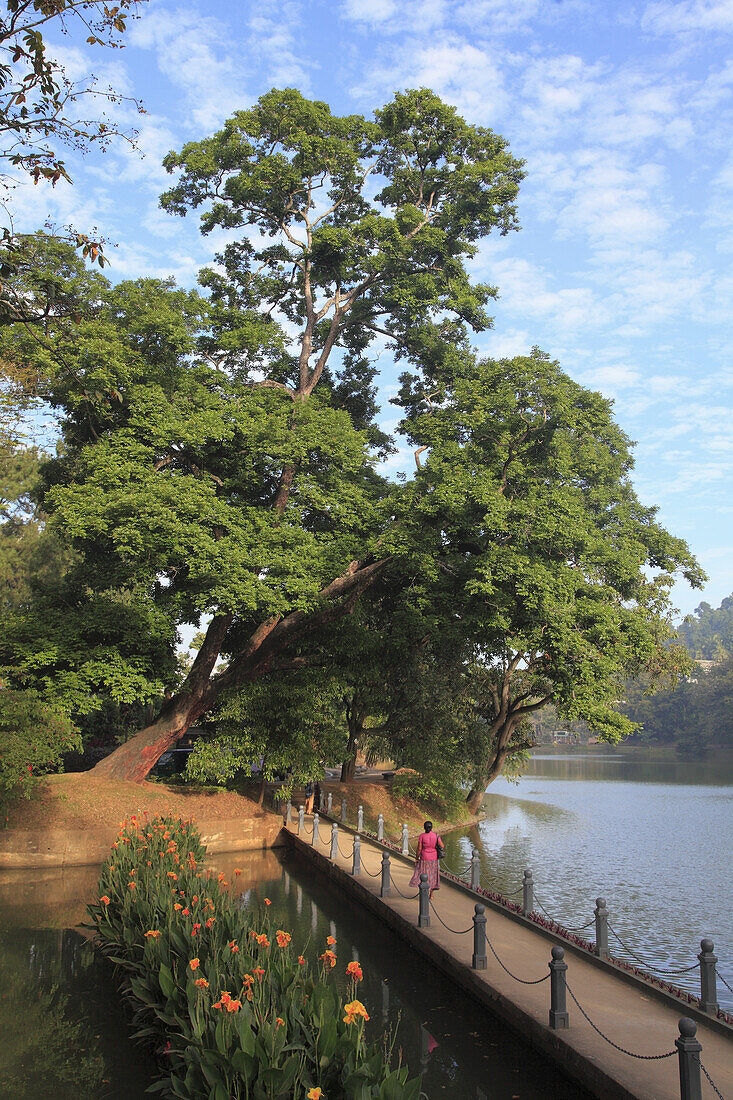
[[690, 15]]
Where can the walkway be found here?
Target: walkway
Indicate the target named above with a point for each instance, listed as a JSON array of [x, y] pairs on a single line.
[[632, 1019]]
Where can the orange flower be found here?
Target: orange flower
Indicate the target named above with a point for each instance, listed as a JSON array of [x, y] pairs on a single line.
[[172, 874], [315, 1093], [196, 928], [131, 885], [233, 1006], [353, 1010], [283, 938], [178, 905], [328, 958], [133, 872], [210, 921], [279, 1021], [258, 972], [186, 912], [262, 940], [233, 946], [301, 960], [354, 971], [201, 983], [194, 964], [195, 898], [267, 901], [104, 899], [237, 871], [330, 941], [154, 933]]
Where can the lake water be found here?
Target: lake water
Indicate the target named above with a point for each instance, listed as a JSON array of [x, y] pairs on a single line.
[[655, 839], [63, 1031]]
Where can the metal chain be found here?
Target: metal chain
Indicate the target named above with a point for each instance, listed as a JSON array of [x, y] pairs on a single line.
[[504, 893], [723, 980], [447, 927], [648, 965], [344, 855], [568, 927], [712, 1084], [523, 981], [630, 1053], [405, 896], [371, 875]]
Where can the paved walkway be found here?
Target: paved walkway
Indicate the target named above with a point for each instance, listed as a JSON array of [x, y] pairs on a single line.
[[629, 1017]]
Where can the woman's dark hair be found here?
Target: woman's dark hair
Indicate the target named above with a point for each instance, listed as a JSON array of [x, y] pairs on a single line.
[[428, 826]]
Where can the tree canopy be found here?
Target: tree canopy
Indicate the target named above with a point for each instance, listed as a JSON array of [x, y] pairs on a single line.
[[219, 451]]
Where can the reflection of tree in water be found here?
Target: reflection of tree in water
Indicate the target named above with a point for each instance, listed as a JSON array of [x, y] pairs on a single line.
[[46, 1039]]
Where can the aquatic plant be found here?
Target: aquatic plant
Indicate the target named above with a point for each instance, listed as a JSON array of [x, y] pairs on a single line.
[[231, 1007]]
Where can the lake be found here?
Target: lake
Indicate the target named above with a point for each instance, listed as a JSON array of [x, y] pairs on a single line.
[[654, 838]]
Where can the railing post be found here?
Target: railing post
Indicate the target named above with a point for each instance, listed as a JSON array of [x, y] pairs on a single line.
[[380, 827], [360, 820], [385, 890], [688, 1049], [316, 834], [329, 803], [405, 841], [478, 962], [356, 866], [423, 918], [708, 986], [288, 812], [527, 893], [558, 1005], [343, 811], [334, 841], [321, 801], [475, 869], [601, 915], [301, 812]]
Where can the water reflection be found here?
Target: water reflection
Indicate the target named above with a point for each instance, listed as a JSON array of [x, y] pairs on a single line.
[[627, 829]]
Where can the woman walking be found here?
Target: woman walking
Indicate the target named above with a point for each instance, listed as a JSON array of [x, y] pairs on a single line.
[[426, 861]]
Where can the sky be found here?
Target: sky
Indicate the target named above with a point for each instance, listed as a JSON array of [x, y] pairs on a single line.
[[623, 114]]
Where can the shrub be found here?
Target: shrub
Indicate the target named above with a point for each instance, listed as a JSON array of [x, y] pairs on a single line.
[[438, 792], [232, 1008], [34, 736]]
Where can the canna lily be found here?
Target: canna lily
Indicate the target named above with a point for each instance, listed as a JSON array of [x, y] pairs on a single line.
[[330, 941], [267, 901], [152, 934], [301, 960], [104, 899], [178, 905], [194, 964], [210, 921], [196, 928], [262, 940], [315, 1093], [328, 958], [186, 912], [258, 971], [201, 983], [353, 1010], [354, 971], [234, 947], [131, 885], [283, 938], [237, 871], [279, 1022]]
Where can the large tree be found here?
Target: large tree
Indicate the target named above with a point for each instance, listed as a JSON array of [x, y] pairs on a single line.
[[558, 573], [240, 485]]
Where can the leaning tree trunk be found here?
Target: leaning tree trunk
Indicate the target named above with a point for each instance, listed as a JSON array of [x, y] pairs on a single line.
[[259, 656]]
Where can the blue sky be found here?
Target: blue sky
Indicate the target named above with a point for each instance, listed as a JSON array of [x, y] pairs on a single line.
[[622, 111]]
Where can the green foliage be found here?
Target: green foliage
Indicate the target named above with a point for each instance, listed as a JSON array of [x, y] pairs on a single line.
[[34, 735], [708, 633], [259, 1023], [215, 761], [434, 790]]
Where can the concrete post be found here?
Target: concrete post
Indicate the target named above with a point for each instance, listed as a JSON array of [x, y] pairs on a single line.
[[527, 893], [360, 820], [316, 835], [356, 866], [688, 1049], [601, 914], [321, 801], [423, 918], [478, 961], [329, 803], [301, 811], [385, 890], [558, 1006], [288, 812], [405, 841], [334, 841], [708, 986], [475, 870], [380, 827], [343, 811]]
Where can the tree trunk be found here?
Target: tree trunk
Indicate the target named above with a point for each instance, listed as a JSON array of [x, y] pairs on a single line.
[[348, 768], [201, 689]]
